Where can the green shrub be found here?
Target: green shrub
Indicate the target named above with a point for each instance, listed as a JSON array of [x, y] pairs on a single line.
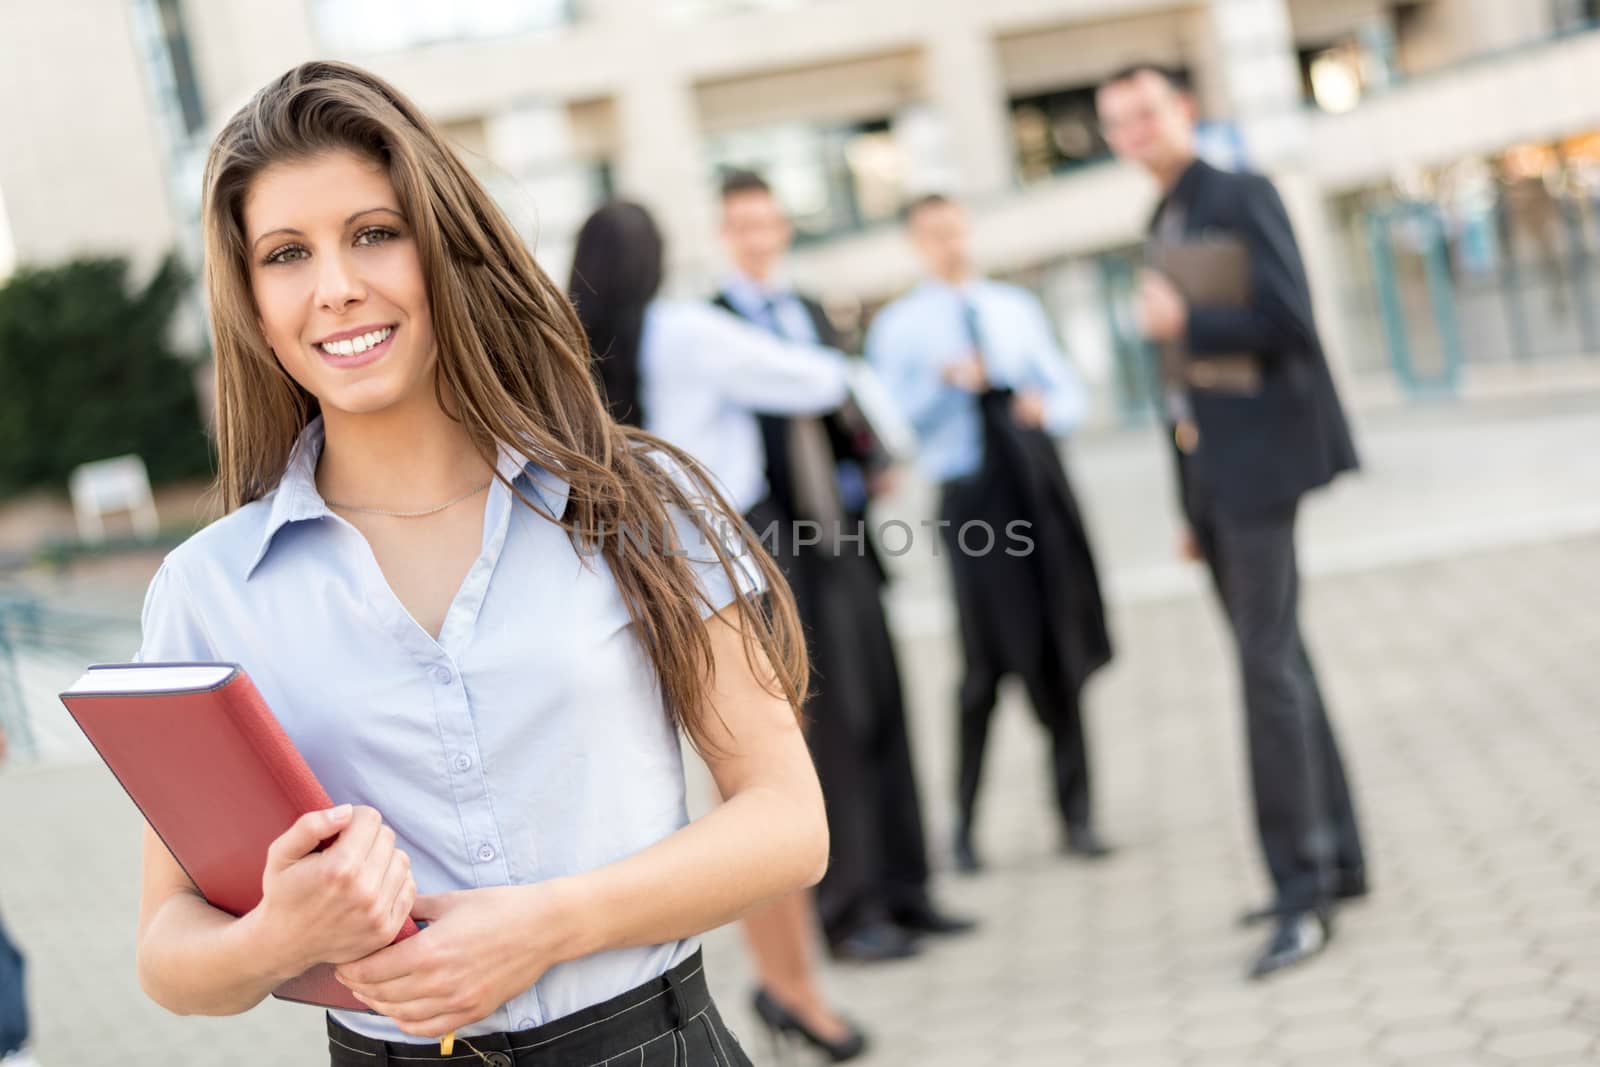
[[87, 372]]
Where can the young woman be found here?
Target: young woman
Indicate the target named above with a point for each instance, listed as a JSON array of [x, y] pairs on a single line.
[[698, 376], [480, 607]]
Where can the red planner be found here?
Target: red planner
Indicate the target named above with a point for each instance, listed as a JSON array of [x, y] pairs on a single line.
[[210, 767]]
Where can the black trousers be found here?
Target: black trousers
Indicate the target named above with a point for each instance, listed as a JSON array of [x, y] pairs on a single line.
[[856, 730], [991, 587], [862, 751], [666, 1022], [1309, 835]]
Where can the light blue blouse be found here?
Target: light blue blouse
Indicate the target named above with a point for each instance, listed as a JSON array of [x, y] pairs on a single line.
[[528, 742]]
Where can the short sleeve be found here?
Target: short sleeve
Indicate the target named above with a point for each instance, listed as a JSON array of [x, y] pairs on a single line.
[[170, 627], [696, 533]]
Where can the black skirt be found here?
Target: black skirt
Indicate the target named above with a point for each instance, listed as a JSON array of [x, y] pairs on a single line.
[[666, 1022]]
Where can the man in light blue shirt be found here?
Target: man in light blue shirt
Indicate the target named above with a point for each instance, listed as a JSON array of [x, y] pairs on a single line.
[[977, 369], [926, 347]]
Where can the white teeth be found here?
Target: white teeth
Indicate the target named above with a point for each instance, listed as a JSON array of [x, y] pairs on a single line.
[[355, 345]]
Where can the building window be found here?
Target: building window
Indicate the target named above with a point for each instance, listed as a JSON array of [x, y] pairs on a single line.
[[186, 86], [830, 179], [1572, 15], [1055, 131], [533, 164], [1337, 75], [364, 26]]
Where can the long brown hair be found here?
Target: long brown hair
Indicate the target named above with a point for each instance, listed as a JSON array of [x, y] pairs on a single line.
[[513, 367]]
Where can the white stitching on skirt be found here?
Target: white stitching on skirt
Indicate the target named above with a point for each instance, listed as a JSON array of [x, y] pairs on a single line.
[[348, 1048], [639, 1048], [721, 1052], [608, 1018]]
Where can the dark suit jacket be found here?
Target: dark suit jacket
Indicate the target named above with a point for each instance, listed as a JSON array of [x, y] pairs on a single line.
[[1259, 453], [847, 434]]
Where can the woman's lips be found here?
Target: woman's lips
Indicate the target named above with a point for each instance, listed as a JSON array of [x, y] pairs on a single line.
[[371, 354]]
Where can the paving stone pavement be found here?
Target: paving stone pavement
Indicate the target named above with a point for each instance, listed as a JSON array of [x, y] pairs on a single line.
[[1466, 693]]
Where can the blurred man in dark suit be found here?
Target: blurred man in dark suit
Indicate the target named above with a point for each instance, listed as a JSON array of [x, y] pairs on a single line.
[[874, 902], [1255, 423]]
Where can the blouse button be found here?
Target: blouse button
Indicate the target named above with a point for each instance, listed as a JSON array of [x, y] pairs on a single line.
[[463, 762], [442, 675], [485, 853]]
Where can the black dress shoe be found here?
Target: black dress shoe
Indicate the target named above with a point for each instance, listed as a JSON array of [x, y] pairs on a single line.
[[966, 857], [1297, 938], [1083, 842], [875, 942], [1352, 886], [926, 919], [781, 1022]]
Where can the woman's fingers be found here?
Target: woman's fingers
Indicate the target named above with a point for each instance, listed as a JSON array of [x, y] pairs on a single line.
[[306, 833], [399, 890], [354, 844]]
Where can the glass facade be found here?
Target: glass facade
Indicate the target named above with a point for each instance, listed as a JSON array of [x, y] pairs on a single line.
[[527, 159], [1489, 259], [161, 42], [1335, 75], [830, 178], [1089, 298], [1570, 15], [1055, 131]]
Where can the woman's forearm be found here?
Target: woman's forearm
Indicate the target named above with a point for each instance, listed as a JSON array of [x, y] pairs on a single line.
[[759, 844], [197, 960]]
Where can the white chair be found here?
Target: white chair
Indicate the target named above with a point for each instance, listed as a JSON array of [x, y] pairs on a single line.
[[108, 486]]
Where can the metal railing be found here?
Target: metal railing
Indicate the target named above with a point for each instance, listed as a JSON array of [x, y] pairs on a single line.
[[40, 645]]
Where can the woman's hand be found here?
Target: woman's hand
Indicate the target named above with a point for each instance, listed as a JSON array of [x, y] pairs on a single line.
[[340, 904], [481, 947]]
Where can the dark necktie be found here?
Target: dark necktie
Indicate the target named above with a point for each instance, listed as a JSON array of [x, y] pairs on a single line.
[[811, 461]]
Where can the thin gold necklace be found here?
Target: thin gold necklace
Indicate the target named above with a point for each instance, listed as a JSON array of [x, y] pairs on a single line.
[[424, 513]]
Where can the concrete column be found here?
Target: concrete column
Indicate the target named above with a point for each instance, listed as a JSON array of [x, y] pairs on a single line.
[[1258, 72], [1260, 76], [241, 45], [660, 164], [965, 86], [64, 132]]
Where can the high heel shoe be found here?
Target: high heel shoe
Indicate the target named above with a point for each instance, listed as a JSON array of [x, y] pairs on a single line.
[[782, 1022]]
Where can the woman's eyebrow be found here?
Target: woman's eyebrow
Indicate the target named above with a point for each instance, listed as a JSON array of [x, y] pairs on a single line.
[[348, 220], [369, 210]]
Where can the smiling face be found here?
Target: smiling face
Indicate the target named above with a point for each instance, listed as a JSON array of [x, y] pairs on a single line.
[[338, 285], [1148, 120]]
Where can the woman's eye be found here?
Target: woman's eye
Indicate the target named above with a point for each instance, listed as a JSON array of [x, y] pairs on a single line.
[[374, 235], [286, 254]]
